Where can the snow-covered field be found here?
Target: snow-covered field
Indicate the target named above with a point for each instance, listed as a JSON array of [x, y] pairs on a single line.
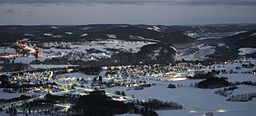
[[4, 114], [155, 28], [50, 66], [7, 50], [195, 101], [28, 59], [245, 51], [5, 95], [201, 54], [87, 50], [76, 75], [70, 77], [90, 50], [244, 89], [239, 77]]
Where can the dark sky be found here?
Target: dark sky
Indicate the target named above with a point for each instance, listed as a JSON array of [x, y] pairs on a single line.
[[166, 12]]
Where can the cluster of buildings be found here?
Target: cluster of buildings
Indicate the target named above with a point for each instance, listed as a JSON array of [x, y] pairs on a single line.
[[26, 50]]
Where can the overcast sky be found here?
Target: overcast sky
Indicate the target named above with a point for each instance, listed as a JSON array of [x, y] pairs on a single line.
[[165, 12]]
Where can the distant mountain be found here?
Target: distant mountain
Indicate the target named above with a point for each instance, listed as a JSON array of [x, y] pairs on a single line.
[[156, 53], [92, 32], [165, 41], [149, 54], [162, 49], [127, 33], [246, 39], [233, 45]]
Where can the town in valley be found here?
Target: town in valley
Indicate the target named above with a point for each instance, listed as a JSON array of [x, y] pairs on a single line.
[[122, 70]]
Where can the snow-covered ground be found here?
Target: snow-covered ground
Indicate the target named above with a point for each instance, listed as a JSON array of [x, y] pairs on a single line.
[[128, 115], [142, 38], [245, 51], [90, 50], [155, 28], [74, 75], [4, 114], [254, 34], [239, 77], [192, 34], [68, 33], [111, 36], [195, 101], [70, 77], [85, 34], [244, 89], [28, 59], [50, 66], [7, 50], [47, 34], [96, 49], [5, 95], [201, 54]]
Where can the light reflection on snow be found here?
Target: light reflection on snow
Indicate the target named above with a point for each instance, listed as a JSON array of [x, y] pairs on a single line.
[[177, 79], [193, 111], [221, 110]]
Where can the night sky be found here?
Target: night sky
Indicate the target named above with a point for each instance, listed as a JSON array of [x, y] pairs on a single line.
[[164, 12]]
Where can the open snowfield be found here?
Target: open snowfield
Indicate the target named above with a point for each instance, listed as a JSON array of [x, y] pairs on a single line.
[[245, 51], [7, 50], [28, 60], [4, 114], [90, 50], [50, 66], [86, 50], [243, 89], [5, 95], [71, 77], [195, 101], [75, 75], [200, 54], [239, 77]]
